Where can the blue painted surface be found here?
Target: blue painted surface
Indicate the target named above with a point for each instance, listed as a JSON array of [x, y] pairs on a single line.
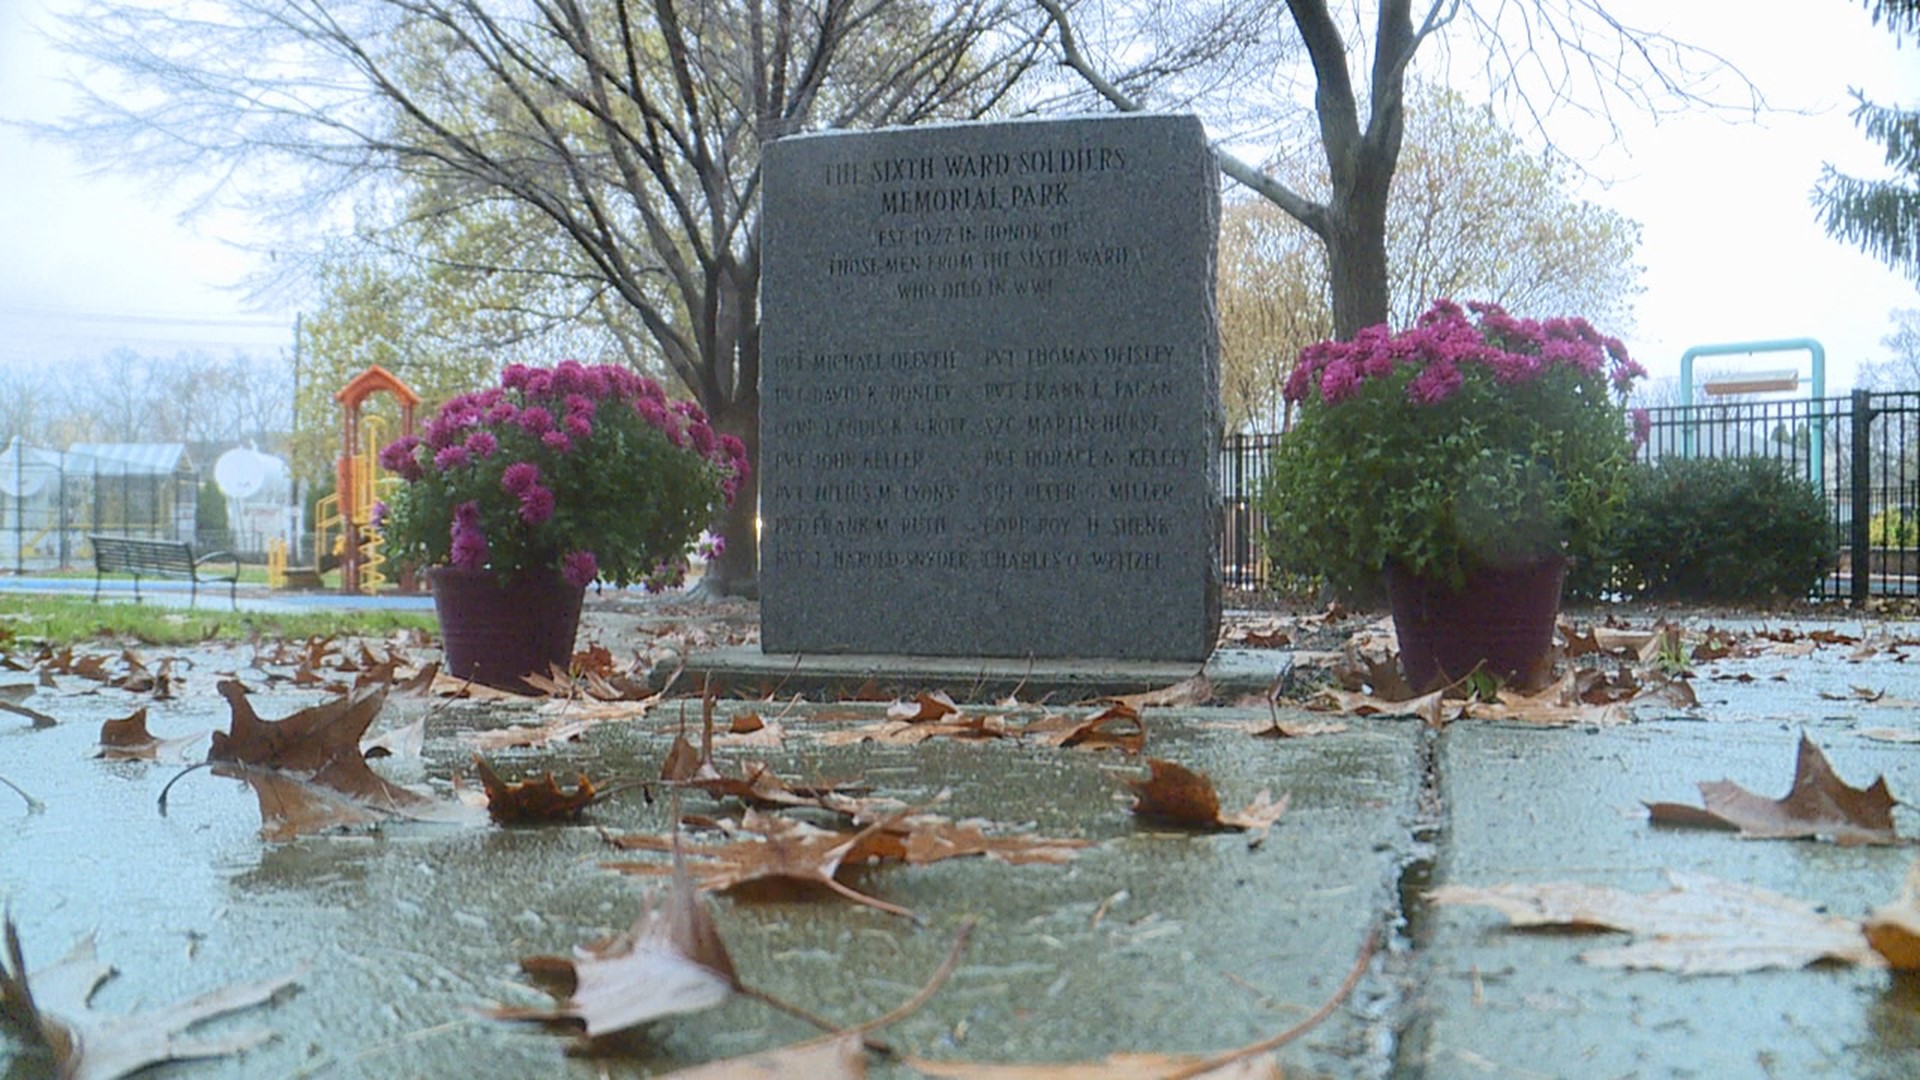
[[214, 597]]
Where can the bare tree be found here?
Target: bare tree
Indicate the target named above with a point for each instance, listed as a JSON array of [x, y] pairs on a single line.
[[634, 129], [1538, 56]]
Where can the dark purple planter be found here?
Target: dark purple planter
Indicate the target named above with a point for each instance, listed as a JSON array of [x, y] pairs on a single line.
[[1503, 620], [496, 634]]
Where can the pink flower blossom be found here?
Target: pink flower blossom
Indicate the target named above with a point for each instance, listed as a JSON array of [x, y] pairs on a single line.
[[1642, 427], [1435, 383], [520, 476], [1339, 381], [557, 440], [482, 444], [578, 425], [579, 568], [535, 421], [702, 437], [469, 541], [398, 457], [450, 458], [536, 505]]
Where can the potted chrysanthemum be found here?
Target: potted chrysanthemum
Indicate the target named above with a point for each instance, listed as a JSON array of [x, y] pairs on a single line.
[[1465, 461], [517, 497]]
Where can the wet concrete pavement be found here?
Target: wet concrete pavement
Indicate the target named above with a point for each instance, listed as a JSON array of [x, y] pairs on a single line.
[[1151, 940]]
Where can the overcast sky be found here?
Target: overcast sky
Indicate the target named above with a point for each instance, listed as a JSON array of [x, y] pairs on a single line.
[[1731, 246]]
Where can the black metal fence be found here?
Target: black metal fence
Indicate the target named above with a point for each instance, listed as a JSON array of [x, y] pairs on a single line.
[[50, 502], [1243, 470], [1861, 452]]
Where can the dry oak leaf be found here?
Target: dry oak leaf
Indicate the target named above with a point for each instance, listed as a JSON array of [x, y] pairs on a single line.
[[127, 739], [49, 1009], [923, 708], [532, 802], [1117, 727], [670, 961], [785, 851], [1434, 708], [1894, 929], [405, 743], [757, 785], [1177, 795], [1700, 926], [558, 730], [307, 770], [1820, 804], [1195, 690], [928, 838]]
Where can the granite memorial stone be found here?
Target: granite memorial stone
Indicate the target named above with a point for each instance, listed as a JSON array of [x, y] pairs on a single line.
[[990, 391]]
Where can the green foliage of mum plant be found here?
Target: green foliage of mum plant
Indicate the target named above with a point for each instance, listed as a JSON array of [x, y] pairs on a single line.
[[1472, 439]]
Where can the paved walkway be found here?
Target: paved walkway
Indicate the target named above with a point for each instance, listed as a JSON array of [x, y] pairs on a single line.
[[1152, 940]]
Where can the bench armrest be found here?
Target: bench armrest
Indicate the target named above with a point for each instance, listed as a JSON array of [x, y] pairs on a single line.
[[222, 556]]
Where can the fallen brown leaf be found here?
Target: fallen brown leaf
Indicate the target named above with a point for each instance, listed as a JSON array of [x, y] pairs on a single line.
[[923, 708], [1196, 690], [532, 802], [670, 961], [783, 851], [1700, 926], [406, 743], [1894, 929], [307, 771], [1819, 804], [50, 1009], [1117, 727], [127, 739], [1177, 795]]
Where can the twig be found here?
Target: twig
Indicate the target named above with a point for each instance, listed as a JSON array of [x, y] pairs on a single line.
[[909, 1007], [34, 805], [1207, 1065], [939, 979], [40, 719], [177, 778]]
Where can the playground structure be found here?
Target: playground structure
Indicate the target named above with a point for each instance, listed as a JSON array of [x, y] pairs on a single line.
[[343, 528]]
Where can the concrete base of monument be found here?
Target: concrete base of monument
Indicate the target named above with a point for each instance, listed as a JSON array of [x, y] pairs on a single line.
[[1234, 674]]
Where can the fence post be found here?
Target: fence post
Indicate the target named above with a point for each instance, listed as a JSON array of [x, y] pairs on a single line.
[[1861, 495]]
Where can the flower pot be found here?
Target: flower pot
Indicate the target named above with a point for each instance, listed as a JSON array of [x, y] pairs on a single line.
[[496, 634], [1501, 622]]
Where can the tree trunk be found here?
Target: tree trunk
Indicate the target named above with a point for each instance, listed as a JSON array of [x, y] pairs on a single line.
[[1357, 265], [737, 571]]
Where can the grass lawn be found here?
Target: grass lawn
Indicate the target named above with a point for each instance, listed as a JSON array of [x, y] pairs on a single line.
[[61, 620]]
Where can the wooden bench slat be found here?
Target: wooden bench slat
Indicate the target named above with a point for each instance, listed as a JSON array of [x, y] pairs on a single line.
[[139, 555]]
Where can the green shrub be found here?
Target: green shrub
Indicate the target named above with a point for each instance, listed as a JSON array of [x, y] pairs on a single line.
[[1893, 529], [1720, 529]]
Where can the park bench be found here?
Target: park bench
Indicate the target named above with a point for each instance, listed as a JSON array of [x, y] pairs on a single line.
[[138, 555]]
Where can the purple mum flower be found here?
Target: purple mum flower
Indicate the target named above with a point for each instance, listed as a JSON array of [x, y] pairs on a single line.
[[535, 421], [1435, 383], [450, 458], [520, 476], [557, 440], [536, 505], [578, 425], [398, 457], [469, 542], [579, 568], [482, 444]]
